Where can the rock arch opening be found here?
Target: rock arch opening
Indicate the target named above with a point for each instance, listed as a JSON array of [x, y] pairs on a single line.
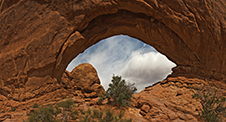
[[128, 57], [38, 37]]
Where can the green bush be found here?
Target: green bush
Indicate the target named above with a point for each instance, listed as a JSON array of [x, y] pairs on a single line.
[[74, 114], [108, 116], [43, 114], [35, 105], [102, 97], [212, 104], [13, 109], [82, 112], [97, 114], [67, 104], [120, 91], [2, 111], [49, 114], [57, 111]]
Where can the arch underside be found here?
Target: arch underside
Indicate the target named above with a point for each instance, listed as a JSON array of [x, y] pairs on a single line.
[[40, 38]]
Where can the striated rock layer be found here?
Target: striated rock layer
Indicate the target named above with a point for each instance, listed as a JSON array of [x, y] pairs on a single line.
[[171, 100], [39, 38], [81, 83], [168, 101]]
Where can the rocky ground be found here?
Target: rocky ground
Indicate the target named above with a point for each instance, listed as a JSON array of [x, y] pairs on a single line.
[[167, 101]]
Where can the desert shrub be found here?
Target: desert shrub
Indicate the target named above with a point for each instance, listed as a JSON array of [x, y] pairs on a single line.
[[97, 114], [191, 87], [120, 91], [102, 97], [13, 109], [2, 111], [86, 119], [74, 114], [121, 114], [57, 111], [43, 114], [108, 116], [212, 104], [67, 104], [35, 105], [82, 112], [49, 114]]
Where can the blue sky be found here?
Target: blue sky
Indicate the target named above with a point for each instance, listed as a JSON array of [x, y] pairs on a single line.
[[128, 57]]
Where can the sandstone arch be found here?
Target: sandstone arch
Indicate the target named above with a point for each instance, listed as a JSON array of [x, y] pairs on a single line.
[[40, 37]]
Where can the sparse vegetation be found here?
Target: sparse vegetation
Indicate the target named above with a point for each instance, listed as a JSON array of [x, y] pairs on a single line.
[[43, 114], [97, 114], [82, 112], [49, 114], [13, 109], [190, 86], [66, 105], [212, 104], [74, 114], [35, 105], [108, 116], [102, 97], [119, 91]]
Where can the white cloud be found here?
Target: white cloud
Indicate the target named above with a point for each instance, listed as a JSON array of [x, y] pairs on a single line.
[[126, 56], [145, 69]]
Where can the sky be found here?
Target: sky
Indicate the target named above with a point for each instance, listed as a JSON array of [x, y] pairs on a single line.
[[128, 57]]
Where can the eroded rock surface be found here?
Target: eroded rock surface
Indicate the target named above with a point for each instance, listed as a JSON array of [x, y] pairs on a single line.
[[82, 82], [39, 38], [171, 100], [168, 101]]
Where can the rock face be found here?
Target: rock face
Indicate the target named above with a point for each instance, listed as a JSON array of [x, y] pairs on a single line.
[[83, 77], [39, 38], [168, 101], [81, 83], [171, 100]]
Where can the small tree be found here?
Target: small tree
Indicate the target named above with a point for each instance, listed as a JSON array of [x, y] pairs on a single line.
[[119, 91], [212, 104]]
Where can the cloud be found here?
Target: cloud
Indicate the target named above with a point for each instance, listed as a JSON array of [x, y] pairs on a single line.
[[122, 55], [145, 69]]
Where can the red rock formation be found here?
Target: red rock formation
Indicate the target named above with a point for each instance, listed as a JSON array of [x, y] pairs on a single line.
[[40, 37], [82, 82], [168, 101], [171, 100]]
